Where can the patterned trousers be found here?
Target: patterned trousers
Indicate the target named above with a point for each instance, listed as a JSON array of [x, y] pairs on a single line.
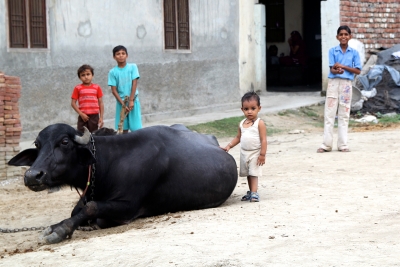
[[338, 101]]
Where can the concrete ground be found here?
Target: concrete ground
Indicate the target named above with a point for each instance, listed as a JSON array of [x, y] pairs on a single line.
[[271, 102]]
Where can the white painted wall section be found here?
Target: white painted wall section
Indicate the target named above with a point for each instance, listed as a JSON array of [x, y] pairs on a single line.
[[260, 45], [330, 22], [246, 46]]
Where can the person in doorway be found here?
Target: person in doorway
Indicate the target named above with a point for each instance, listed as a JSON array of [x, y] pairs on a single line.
[[89, 97], [272, 55], [123, 81], [252, 135], [297, 48], [344, 62], [297, 54]]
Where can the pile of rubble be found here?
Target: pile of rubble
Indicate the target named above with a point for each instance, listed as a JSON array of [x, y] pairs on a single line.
[[377, 88]]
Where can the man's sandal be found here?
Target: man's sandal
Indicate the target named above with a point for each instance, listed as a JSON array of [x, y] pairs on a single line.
[[246, 197], [344, 150], [321, 150]]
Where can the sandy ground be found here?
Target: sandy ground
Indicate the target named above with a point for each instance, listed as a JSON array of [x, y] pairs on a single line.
[[331, 209]]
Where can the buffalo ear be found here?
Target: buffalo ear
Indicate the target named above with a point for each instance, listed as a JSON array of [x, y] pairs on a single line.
[[85, 156], [24, 158]]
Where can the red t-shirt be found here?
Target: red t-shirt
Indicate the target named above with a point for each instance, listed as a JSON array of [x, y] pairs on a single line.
[[88, 98]]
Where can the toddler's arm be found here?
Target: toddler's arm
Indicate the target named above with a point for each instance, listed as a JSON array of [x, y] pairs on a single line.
[[234, 141], [262, 129]]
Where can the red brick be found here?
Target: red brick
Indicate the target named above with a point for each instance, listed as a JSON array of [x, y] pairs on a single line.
[[9, 121], [14, 86]]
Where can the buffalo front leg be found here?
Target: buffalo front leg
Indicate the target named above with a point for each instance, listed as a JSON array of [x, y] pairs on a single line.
[[63, 230]]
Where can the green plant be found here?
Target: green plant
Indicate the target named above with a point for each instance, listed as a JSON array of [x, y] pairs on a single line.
[[390, 119], [309, 112], [353, 123], [288, 112]]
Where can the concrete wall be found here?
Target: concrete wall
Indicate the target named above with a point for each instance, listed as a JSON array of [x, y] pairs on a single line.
[[260, 48], [171, 83], [247, 46], [330, 22]]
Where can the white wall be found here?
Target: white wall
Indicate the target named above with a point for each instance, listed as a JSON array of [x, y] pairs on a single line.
[[330, 22], [260, 55], [246, 46]]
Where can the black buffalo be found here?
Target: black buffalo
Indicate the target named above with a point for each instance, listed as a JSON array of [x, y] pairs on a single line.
[[148, 172]]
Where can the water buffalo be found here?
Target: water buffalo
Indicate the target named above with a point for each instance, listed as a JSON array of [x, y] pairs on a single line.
[[151, 171]]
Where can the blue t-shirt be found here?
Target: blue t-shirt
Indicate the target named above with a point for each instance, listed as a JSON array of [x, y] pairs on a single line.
[[122, 78], [350, 58]]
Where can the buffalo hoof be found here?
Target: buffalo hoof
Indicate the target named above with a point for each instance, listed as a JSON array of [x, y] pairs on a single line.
[[53, 235]]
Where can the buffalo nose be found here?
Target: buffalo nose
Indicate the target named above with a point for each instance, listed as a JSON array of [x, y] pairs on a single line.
[[33, 177]]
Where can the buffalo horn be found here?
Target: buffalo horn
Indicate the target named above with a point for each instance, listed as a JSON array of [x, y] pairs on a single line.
[[84, 139]]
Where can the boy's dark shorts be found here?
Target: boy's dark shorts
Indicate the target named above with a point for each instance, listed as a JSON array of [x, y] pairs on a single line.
[[92, 124]]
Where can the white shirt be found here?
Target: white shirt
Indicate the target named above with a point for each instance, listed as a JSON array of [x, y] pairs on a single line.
[[250, 137]]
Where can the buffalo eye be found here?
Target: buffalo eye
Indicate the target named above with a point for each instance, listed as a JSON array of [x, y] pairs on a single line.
[[36, 144], [64, 141]]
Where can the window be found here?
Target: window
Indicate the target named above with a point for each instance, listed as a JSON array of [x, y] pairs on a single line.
[[27, 23], [275, 13], [176, 24]]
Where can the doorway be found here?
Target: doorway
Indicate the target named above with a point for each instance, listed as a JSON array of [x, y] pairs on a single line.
[[282, 18]]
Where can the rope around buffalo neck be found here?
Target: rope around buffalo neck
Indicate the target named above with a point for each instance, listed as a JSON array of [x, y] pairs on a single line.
[[91, 173], [93, 167]]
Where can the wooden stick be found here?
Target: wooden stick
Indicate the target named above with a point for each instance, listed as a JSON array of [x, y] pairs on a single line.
[[122, 115]]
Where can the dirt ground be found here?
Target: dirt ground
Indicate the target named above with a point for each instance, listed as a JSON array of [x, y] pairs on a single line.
[[330, 209]]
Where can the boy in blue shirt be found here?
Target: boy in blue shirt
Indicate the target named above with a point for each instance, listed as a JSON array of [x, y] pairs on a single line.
[[344, 62], [123, 81]]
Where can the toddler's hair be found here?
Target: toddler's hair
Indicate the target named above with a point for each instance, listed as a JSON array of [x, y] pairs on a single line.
[[344, 27], [119, 48], [251, 96], [83, 68]]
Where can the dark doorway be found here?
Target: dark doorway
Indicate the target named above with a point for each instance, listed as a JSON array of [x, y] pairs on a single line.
[[312, 38], [295, 78]]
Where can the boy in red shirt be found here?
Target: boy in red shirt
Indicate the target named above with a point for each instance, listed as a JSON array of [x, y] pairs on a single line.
[[89, 96]]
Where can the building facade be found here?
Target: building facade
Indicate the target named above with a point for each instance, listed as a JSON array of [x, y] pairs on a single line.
[[187, 52]]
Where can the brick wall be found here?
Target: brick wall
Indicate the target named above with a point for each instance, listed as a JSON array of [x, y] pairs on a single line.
[[10, 124], [375, 23]]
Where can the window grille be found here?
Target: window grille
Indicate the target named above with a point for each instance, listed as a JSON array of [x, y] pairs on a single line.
[[176, 24], [27, 23]]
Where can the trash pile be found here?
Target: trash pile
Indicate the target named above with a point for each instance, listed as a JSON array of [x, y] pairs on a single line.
[[377, 88]]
